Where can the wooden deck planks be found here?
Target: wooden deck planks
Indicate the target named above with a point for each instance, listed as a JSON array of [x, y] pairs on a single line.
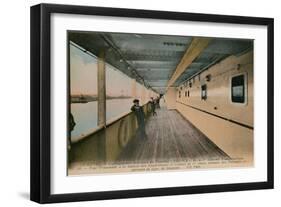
[[170, 136]]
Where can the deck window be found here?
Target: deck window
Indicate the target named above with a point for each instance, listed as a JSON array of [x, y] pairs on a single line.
[[84, 92], [204, 92], [118, 93], [238, 89]]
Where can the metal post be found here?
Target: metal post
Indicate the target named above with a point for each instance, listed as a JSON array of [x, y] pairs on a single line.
[[134, 88], [101, 90], [143, 94]]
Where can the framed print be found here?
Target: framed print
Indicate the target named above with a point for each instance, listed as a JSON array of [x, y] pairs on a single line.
[[133, 103]]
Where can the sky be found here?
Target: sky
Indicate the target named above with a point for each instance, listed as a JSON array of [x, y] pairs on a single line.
[[83, 72], [83, 76]]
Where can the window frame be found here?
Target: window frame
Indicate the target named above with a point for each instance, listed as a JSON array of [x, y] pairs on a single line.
[[206, 96], [245, 89]]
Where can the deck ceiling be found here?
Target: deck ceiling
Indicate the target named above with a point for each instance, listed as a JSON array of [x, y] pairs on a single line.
[[152, 59]]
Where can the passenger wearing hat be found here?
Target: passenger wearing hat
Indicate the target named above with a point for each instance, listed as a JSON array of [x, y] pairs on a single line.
[[137, 109], [152, 104]]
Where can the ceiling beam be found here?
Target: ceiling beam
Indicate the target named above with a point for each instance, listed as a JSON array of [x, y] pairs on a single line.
[[196, 47], [150, 69]]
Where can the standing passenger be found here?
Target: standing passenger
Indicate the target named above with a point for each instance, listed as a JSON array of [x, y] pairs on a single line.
[[137, 109], [152, 104], [71, 127], [158, 102]]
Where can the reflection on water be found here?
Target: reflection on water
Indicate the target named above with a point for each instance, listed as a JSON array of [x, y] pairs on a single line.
[[85, 114]]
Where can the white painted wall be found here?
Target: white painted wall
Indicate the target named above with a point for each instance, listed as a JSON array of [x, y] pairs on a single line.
[[233, 139], [14, 110], [170, 98]]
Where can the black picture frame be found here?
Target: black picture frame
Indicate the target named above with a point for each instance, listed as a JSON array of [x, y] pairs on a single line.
[[41, 102]]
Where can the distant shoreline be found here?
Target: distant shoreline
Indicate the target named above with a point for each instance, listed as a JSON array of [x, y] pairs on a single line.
[[88, 98]]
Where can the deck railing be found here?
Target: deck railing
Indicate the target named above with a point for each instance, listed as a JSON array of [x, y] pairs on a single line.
[[106, 143]]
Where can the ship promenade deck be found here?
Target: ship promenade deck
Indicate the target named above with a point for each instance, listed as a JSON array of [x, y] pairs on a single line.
[[170, 136]]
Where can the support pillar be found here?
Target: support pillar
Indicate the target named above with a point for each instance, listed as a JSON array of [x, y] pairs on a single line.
[[149, 94], [143, 97], [101, 90], [134, 88], [101, 108]]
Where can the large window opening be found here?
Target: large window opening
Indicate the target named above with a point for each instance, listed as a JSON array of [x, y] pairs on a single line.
[[204, 92], [238, 89], [119, 95], [83, 92]]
